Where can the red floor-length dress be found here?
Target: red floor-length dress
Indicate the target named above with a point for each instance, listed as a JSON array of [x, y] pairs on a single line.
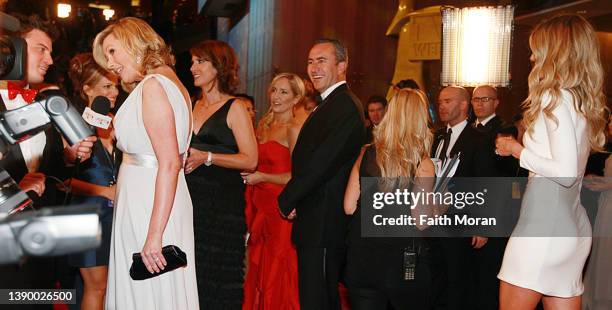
[[272, 276]]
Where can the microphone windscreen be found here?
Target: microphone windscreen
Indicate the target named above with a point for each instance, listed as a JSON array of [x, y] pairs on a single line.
[[101, 105]]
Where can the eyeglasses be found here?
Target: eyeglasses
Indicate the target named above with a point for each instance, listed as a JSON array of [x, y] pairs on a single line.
[[483, 99]]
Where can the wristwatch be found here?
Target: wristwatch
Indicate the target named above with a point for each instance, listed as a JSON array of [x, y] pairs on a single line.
[[208, 161]]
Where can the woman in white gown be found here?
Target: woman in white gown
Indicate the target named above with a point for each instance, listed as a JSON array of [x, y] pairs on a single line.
[[565, 114], [152, 205]]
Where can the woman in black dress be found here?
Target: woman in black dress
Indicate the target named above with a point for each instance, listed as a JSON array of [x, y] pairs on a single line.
[[222, 146], [375, 274], [95, 183]]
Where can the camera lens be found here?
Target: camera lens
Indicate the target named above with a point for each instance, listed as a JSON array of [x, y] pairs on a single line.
[[7, 55]]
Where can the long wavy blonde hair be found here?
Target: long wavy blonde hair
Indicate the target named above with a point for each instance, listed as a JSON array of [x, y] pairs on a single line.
[[403, 138], [297, 88], [566, 56]]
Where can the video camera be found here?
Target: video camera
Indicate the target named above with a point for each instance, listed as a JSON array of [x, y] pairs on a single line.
[[13, 57], [49, 231]]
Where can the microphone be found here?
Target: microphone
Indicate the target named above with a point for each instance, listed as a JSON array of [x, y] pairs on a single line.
[[97, 115], [101, 105]]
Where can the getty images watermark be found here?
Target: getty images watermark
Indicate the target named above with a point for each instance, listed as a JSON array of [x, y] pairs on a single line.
[[411, 199], [465, 207]]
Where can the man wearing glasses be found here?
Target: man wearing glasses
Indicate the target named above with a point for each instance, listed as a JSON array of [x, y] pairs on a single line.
[[487, 261], [484, 103]]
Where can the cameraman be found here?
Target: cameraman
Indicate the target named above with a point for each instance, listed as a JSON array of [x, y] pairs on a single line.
[[44, 154]]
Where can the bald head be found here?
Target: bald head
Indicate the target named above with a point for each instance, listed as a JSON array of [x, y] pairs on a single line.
[[484, 101], [487, 90], [453, 105]]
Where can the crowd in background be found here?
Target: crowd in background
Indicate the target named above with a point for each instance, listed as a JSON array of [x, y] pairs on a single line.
[[269, 211]]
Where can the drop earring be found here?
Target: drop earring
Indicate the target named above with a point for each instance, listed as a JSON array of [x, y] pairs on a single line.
[[138, 60]]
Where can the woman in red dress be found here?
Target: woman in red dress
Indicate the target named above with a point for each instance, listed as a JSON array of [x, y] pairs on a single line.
[[271, 280]]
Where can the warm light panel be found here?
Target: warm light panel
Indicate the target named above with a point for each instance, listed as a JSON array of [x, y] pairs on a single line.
[[108, 13], [476, 46], [63, 10]]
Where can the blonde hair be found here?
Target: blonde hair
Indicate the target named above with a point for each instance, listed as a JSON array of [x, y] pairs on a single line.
[[139, 40], [566, 52], [403, 138], [297, 88]]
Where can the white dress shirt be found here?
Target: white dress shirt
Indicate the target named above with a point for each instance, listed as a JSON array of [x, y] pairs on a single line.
[[330, 89], [456, 132], [486, 120], [32, 148]]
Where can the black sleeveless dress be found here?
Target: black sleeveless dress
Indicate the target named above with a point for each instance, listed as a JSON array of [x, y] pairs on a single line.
[[374, 269], [218, 217]]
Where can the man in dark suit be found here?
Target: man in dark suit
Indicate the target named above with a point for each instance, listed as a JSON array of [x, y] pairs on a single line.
[[475, 161], [44, 153], [453, 107], [326, 148], [41, 155], [484, 103], [488, 260], [376, 109]]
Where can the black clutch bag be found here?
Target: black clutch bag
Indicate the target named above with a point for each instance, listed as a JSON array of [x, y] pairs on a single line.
[[175, 258]]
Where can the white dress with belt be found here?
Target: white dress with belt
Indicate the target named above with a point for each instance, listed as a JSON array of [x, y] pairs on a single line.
[[176, 289], [552, 239]]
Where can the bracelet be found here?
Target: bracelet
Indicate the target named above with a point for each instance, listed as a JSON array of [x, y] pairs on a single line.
[[208, 161]]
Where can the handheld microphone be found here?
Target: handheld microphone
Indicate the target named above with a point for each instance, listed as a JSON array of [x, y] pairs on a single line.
[[101, 105], [97, 115]]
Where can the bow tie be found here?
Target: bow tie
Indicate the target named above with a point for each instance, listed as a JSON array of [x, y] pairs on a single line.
[[28, 95]]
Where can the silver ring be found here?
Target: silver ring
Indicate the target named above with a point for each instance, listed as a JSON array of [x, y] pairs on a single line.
[[156, 259]]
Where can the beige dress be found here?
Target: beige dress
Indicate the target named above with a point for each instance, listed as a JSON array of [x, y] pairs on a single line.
[[552, 239], [133, 206]]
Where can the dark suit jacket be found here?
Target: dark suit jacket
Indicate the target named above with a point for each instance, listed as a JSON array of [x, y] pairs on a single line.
[[326, 148], [493, 125], [369, 134], [476, 159], [506, 166]]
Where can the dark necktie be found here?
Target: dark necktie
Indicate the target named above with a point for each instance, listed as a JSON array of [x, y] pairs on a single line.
[[447, 136], [480, 127], [318, 99]]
